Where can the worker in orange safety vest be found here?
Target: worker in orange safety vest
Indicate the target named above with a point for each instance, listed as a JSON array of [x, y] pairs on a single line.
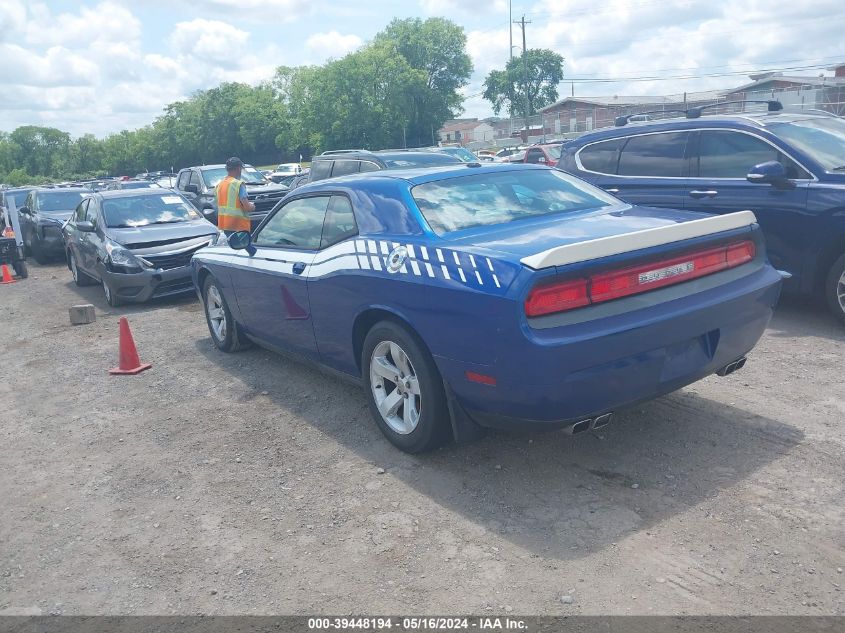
[[233, 205]]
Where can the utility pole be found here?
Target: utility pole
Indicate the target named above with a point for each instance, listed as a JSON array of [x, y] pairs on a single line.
[[522, 24], [510, 26]]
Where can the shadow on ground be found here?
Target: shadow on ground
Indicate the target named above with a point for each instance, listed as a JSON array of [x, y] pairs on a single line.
[[554, 494]]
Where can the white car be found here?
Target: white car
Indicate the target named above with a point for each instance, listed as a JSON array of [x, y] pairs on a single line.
[[284, 170]]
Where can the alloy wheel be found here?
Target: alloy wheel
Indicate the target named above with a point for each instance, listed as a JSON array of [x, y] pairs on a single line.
[[216, 313], [396, 388], [840, 291]]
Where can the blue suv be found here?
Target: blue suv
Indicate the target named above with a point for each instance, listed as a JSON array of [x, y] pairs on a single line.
[[789, 168]]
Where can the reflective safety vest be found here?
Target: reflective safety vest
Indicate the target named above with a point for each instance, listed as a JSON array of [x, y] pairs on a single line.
[[231, 215]]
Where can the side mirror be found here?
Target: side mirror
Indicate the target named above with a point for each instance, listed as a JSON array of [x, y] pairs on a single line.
[[769, 173], [240, 241], [192, 189], [85, 226], [24, 210]]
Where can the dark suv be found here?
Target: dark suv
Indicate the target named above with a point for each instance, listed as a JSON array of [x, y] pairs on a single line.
[[344, 162], [787, 167], [197, 185]]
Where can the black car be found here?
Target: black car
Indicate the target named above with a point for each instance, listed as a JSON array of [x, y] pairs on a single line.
[[197, 184], [333, 164], [138, 244], [41, 217]]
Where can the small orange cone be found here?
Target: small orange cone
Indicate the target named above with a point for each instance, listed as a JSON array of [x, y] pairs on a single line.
[[7, 276], [129, 361]]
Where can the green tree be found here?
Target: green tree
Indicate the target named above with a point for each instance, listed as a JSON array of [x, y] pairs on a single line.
[[508, 88], [40, 148], [436, 48]]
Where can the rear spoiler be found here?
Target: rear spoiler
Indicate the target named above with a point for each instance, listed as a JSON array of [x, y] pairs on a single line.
[[627, 242]]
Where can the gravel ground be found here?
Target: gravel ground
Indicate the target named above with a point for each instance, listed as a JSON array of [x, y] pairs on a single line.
[[249, 483]]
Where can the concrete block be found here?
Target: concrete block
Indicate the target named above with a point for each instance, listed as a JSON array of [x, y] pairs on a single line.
[[82, 314]]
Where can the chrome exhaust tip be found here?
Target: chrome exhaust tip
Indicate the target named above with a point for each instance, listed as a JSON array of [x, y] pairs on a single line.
[[580, 427], [732, 367], [602, 421]]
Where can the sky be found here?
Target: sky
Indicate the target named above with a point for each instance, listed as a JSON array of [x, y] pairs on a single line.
[[91, 66]]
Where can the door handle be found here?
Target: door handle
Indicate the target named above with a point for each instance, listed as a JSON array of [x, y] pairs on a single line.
[[298, 268], [612, 190], [707, 193]]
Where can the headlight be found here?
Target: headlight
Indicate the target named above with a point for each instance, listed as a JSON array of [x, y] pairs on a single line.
[[121, 259]]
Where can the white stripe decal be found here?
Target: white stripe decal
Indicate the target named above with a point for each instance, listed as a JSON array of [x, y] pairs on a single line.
[[457, 259], [440, 256], [472, 261], [372, 247], [415, 267], [637, 240], [424, 252], [376, 262], [478, 276], [445, 272], [461, 273], [364, 262], [410, 249], [429, 269], [496, 279], [385, 249], [490, 264]]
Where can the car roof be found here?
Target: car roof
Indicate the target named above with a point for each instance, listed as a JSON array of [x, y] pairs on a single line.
[[746, 120], [61, 190]]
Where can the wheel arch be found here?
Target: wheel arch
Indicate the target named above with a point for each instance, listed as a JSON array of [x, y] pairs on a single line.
[[830, 253], [367, 318]]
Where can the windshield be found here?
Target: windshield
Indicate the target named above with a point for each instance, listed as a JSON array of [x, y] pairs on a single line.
[[461, 153], [60, 201], [248, 175], [497, 198], [554, 151], [18, 197], [137, 185], [822, 138], [132, 211], [406, 161]]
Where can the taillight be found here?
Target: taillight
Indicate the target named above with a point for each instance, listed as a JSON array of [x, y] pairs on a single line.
[[633, 280], [557, 298]]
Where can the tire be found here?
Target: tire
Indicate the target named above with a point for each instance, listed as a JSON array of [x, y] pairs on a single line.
[[111, 298], [79, 277], [412, 414], [20, 269], [221, 325], [834, 289]]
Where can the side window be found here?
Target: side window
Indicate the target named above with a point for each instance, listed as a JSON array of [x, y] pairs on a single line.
[[654, 155], [344, 167], [728, 154], [601, 157], [91, 213], [195, 180], [320, 170], [81, 209], [369, 166], [340, 222], [183, 179], [298, 224]]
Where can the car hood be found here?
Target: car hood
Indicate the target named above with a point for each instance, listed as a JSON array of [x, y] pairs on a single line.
[[265, 188], [141, 236], [61, 216], [522, 238]]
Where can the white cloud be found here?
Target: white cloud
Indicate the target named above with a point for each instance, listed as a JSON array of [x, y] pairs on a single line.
[[448, 8], [257, 10], [332, 43], [210, 40]]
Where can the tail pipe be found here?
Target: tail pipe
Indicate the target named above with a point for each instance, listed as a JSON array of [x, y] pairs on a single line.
[[732, 367], [599, 422]]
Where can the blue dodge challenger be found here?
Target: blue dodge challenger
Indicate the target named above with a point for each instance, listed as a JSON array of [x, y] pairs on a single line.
[[501, 296]]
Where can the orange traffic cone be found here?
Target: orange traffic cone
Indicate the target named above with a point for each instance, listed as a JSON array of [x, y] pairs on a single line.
[[7, 276], [129, 361]]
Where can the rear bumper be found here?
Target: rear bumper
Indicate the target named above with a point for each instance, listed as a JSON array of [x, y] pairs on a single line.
[[149, 284], [554, 378]]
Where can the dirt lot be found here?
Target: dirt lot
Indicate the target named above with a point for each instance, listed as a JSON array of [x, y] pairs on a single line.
[[250, 483]]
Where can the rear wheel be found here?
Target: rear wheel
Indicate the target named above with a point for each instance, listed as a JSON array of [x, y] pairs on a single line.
[[404, 389], [79, 277], [20, 269], [222, 327], [834, 289]]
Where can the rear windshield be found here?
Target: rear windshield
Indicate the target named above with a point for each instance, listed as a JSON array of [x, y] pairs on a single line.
[[60, 200], [554, 151], [133, 211], [822, 138], [496, 198], [461, 153]]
